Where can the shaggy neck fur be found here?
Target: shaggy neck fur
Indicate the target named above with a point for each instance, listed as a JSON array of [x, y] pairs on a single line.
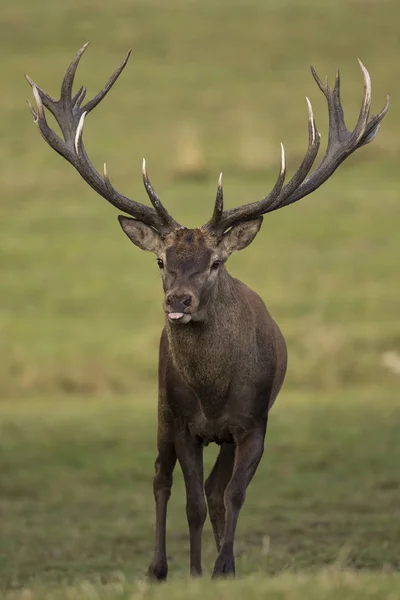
[[206, 352]]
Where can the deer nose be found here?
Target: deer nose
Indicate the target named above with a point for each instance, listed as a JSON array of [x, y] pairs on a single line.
[[176, 301]]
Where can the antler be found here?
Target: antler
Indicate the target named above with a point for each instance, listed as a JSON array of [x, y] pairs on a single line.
[[341, 143], [70, 116]]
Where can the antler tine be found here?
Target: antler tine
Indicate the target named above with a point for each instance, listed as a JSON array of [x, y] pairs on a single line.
[[372, 127], [78, 135], [155, 200], [337, 83], [47, 100], [278, 187], [365, 106], [99, 97], [219, 204], [106, 178], [68, 81], [48, 134], [314, 138], [79, 97], [341, 143], [71, 117]]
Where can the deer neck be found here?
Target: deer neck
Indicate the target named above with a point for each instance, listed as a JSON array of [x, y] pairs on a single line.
[[205, 352]]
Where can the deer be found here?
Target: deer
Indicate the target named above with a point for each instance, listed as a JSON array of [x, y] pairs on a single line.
[[222, 357]]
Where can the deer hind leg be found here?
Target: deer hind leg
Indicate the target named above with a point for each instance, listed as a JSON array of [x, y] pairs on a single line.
[[215, 487], [162, 484], [248, 453]]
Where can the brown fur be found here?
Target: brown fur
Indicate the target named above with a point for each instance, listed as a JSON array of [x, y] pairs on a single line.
[[218, 378]]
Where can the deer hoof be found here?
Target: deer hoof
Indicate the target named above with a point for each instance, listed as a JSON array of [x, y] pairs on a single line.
[[157, 572], [224, 567]]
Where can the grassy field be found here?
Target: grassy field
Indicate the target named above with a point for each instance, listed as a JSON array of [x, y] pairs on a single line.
[[210, 86], [77, 507]]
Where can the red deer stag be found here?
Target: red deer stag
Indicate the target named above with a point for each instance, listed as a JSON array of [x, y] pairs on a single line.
[[222, 357]]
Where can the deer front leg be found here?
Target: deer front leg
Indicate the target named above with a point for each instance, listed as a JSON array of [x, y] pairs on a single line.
[[190, 457], [249, 450], [162, 484]]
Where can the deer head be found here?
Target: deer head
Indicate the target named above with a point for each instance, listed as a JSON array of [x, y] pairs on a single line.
[[192, 260]]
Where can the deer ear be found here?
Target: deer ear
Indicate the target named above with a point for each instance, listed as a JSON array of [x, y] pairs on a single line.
[[141, 235], [241, 235]]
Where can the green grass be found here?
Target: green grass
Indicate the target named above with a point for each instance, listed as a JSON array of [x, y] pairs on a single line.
[[77, 500], [210, 86], [329, 585]]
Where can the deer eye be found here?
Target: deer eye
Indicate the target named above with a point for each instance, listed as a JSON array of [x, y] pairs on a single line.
[[215, 265], [160, 263]]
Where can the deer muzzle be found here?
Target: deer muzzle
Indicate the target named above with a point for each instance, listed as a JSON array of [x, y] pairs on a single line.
[[179, 307]]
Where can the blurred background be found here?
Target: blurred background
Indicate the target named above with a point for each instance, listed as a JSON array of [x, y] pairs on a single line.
[[210, 87]]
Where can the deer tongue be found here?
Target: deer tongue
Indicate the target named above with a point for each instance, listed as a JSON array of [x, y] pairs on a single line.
[[175, 316]]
